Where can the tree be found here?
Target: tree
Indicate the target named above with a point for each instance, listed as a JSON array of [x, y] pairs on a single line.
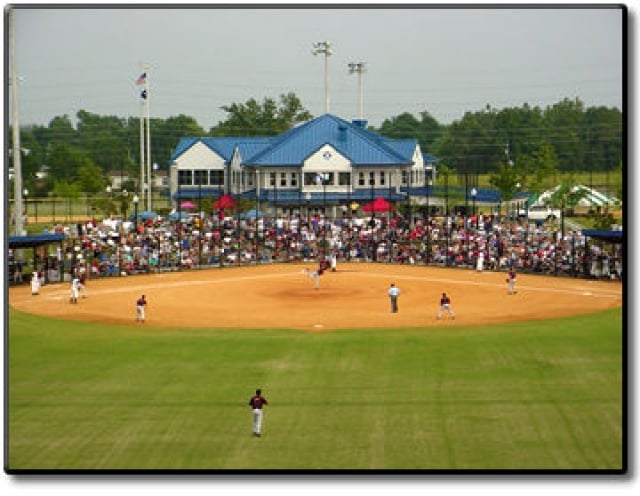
[[545, 169], [506, 180], [91, 178], [267, 119], [64, 161], [567, 195]]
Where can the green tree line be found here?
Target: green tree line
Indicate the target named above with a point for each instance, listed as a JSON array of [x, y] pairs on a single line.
[[566, 137]]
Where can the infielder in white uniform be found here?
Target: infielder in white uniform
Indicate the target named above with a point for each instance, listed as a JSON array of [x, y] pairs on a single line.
[[35, 284], [75, 290]]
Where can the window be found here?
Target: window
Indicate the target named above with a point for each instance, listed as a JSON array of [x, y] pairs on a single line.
[[200, 177], [361, 179], [272, 178], [372, 178], [310, 178], [382, 179], [294, 179], [185, 177], [344, 178], [217, 178], [283, 179], [404, 177]]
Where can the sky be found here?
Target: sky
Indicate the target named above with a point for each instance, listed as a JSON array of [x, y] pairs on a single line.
[[445, 61]]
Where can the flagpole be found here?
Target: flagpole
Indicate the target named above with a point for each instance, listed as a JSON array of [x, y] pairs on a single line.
[[148, 143], [142, 151]]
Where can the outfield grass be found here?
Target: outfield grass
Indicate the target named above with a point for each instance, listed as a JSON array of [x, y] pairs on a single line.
[[533, 395]]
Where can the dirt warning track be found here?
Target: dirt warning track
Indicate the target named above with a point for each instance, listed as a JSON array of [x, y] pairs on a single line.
[[282, 296]]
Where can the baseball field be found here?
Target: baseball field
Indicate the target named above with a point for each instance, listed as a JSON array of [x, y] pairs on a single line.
[[532, 381]]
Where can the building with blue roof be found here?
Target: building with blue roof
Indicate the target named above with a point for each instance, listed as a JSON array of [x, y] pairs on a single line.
[[324, 161]]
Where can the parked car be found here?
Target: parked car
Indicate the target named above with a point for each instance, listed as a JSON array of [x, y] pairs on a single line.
[[542, 213]]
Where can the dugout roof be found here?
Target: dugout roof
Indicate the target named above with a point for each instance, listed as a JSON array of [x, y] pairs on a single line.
[[35, 240]]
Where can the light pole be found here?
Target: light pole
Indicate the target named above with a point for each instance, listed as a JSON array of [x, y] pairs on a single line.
[[324, 47], [323, 178], [359, 68], [135, 212], [25, 193], [307, 197], [427, 190], [108, 191], [474, 192]]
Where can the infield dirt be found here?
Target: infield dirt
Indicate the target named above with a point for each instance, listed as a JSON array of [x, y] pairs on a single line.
[[355, 296]]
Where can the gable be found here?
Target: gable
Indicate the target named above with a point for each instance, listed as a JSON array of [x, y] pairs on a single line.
[[327, 158], [200, 156]]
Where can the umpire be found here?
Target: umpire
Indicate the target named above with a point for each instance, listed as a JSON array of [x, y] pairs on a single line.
[[394, 292]]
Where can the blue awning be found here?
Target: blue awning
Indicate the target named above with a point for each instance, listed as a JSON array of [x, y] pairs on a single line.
[[34, 240], [604, 234]]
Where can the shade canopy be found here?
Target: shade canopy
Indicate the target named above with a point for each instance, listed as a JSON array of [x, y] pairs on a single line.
[[146, 215], [251, 214], [224, 202], [378, 205], [178, 215]]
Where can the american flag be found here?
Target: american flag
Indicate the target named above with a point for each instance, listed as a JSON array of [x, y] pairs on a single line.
[[142, 79]]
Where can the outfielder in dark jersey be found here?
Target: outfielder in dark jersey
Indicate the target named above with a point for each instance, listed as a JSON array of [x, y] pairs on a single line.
[[256, 403]]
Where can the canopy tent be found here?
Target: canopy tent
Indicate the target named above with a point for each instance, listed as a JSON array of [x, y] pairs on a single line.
[[378, 205], [592, 198], [178, 215], [252, 214], [224, 202], [145, 215]]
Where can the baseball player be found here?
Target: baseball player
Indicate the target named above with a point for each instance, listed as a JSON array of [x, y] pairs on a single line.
[[141, 303], [75, 290], [445, 304], [511, 282], [83, 284], [333, 260], [315, 275], [480, 262], [394, 292], [35, 284], [256, 403]]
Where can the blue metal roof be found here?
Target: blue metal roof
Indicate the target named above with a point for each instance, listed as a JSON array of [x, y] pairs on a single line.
[[291, 148], [222, 145], [360, 146], [611, 236], [34, 240]]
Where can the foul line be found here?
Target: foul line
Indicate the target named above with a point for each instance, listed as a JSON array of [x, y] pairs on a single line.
[[580, 292]]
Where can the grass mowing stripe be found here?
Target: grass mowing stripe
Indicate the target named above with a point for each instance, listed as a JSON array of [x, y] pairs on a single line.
[[537, 395]]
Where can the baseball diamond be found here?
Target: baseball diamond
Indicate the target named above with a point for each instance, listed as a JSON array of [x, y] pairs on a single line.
[[281, 295]]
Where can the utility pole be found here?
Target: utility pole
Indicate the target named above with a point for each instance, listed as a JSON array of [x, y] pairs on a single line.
[[324, 47], [359, 68], [17, 158]]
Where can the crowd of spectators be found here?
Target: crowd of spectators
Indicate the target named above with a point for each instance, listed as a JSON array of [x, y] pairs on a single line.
[[114, 248]]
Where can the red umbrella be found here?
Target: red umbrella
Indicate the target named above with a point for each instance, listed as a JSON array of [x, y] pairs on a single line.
[[224, 202], [187, 204], [378, 205]]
